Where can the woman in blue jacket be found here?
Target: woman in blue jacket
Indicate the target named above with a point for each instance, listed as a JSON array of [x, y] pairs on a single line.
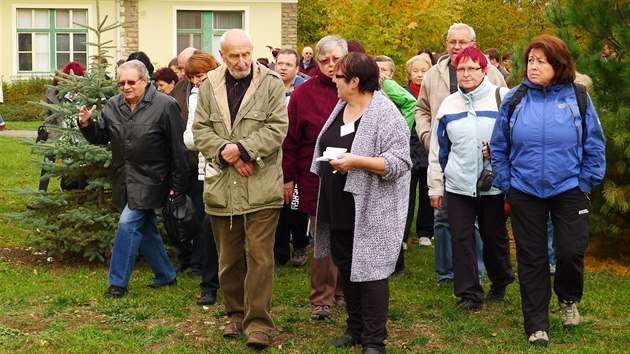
[[546, 157]]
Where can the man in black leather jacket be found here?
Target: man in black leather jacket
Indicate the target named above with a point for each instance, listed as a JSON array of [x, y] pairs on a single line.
[[144, 128]]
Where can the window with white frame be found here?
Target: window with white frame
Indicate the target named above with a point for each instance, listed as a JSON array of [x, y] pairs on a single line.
[[203, 29], [47, 39]]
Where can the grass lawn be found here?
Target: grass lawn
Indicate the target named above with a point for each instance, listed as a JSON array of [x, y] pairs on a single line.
[[47, 305]]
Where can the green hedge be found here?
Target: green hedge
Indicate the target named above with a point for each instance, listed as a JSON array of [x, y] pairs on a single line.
[[17, 96]]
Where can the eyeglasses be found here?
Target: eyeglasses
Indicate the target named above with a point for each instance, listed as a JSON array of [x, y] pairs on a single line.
[[340, 76], [131, 83], [453, 43], [470, 70], [328, 60]]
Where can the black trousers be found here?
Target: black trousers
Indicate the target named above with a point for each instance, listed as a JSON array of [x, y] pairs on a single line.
[[424, 220], [366, 302], [291, 222], [570, 216], [191, 254], [488, 210]]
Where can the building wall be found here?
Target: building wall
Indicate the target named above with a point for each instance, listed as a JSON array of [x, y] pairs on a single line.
[[150, 25]]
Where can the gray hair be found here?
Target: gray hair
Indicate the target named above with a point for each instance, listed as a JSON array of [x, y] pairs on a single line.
[[232, 32], [456, 26], [142, 71], [423, 58], [329, 43], [385, 58]]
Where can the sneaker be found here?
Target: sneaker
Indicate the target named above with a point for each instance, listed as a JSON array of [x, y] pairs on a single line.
[[339, 301], [404, 246], [539, 338], [569, 314], [115, 291], [345, 340], [496, 293], [320, 312], [424, 241], [552, 269], [445, 281], [468, 305], [299, 257], [3, 125]]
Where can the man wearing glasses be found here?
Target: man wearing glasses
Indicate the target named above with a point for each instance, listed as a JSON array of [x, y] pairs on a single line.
[[145, 130], [439, 82]]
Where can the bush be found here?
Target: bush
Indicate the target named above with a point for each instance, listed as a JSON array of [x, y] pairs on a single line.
[[17, 96]]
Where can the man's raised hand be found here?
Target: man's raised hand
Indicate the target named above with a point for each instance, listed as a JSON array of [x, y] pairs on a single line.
[[85, 114]]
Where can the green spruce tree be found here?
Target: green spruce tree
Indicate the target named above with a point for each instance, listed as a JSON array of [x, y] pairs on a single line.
[[588, 25], [81, 221]]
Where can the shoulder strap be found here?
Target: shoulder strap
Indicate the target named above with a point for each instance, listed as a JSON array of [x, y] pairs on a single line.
[[516, 99], [582, 101]]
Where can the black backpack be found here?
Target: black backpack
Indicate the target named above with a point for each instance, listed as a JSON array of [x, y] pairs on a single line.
[[580, 94]]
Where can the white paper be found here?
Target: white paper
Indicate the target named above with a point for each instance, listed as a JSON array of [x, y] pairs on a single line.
[[331, 153]]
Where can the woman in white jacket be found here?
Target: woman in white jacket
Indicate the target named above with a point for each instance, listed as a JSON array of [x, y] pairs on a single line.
[[464, 123], [197, 68]]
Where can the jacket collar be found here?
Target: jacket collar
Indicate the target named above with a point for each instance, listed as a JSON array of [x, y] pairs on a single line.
[[537, 87], [475, 95]]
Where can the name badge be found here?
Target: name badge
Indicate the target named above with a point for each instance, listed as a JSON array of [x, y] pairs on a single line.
[[347, 129]]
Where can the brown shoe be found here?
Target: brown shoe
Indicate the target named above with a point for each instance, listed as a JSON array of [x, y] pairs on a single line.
[[258, 340], [233, 329]]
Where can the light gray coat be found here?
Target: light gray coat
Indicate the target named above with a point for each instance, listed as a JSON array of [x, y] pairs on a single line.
[[381, 201]]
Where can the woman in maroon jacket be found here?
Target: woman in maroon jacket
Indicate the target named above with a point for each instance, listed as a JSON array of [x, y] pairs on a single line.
[[309, 108]]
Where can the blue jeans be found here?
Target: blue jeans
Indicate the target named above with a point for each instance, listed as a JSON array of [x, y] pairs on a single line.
[[137, 230], [444, 248]]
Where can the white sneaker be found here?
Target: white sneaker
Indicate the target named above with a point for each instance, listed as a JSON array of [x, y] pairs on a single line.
[[539, 338], [569, 314], [404, 246], [552, 269], [424, 241]]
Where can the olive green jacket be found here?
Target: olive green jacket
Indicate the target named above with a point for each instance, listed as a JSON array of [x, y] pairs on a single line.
[[260, 127]]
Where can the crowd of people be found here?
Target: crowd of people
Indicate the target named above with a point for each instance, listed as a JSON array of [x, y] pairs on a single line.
[[327, 150]]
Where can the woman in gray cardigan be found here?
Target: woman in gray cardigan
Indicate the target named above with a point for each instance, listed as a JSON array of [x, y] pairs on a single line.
[[363, 197]]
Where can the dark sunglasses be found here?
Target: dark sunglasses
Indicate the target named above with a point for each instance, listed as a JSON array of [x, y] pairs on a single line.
[[340, 76], [131, 83]]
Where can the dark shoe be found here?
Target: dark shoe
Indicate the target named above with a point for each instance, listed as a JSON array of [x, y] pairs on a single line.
[[399, 273], [157, 286], [182, 267], [233, 329], [258, 339], [345, 340], [370, 350], [468, 305], [496, 293], [115, 291], [445, 281], [299, 257], [195, 273], [207, 299]]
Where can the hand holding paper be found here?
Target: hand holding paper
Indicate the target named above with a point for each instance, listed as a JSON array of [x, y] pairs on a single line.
[[331, 153]]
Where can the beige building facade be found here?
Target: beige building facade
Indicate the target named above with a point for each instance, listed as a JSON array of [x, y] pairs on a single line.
[[39, 37]]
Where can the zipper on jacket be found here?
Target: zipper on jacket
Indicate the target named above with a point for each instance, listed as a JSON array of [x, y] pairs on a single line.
[[543, 137]]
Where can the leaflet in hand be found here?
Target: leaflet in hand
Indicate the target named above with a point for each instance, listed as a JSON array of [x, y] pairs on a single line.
[[331, 153]]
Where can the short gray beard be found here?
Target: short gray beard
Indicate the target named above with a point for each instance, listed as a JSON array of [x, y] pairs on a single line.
[[238, 75]]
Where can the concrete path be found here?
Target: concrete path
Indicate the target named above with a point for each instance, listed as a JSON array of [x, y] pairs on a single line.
[[19, 133]]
